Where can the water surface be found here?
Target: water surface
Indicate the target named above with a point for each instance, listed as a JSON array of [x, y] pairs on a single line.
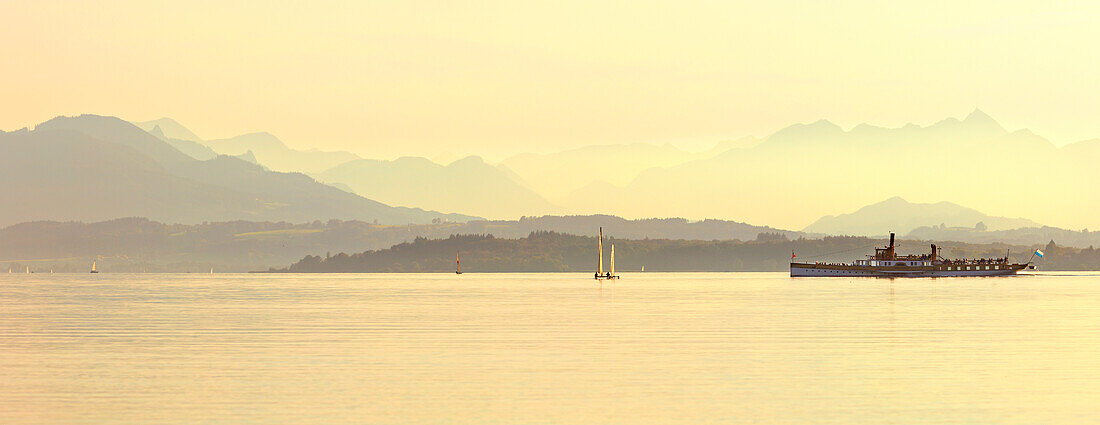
[[547, 348]]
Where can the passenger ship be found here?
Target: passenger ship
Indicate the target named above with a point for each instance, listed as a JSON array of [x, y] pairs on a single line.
[[887, 263]]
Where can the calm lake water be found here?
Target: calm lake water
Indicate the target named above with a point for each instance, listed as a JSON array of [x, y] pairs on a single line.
[[548, 348]]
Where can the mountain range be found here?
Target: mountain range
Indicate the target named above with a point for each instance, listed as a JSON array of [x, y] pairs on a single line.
[[900, 216], [274, 154], [470, 185], [788, 179], [93, 168], [558, 176], [808, 170]]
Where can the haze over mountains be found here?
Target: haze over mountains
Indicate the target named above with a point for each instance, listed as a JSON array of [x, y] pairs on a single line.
[[559, 175], [901, 216], [264, 147], [788, 179], [800, 174], [274, 154], [804, 171], [93, 168], [469, 184]]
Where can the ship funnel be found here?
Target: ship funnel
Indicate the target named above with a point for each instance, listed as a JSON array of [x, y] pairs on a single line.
[[891, 239], [934, 252]]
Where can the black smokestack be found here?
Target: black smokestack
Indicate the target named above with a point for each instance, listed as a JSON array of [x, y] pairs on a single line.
[[891, 239]]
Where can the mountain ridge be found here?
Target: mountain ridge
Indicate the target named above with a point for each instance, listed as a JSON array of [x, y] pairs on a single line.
[[900, 216], [122, 170], [468, 184], [273, 153]]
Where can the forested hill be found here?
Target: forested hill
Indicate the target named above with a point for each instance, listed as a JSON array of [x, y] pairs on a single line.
[[136, 244], [556, 252]]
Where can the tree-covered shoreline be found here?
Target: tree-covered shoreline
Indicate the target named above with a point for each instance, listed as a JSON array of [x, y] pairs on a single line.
[[544, 251]]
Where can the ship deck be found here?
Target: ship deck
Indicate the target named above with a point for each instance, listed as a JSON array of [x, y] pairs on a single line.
[[935, 270]]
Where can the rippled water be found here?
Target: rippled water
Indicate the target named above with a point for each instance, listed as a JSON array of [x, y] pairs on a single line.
[[547, 348]]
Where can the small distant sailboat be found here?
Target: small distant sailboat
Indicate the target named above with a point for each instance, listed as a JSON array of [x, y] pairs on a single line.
[[600, 275], [28, 269], [93, 268], [458, 264], [211, 270]]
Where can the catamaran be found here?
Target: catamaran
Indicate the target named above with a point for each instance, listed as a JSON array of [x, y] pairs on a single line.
[[600, 274]]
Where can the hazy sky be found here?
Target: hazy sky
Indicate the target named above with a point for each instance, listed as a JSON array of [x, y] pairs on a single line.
[[412, 77]]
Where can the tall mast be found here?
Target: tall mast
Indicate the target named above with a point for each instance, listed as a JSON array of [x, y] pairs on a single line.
[[599, 247]]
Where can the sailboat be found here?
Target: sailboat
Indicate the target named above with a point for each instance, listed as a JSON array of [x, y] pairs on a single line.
[[458, 264], [600, 275], [612, 271], [93, 267]]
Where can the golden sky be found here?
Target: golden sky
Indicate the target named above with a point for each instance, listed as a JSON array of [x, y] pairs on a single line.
[[384, 79]]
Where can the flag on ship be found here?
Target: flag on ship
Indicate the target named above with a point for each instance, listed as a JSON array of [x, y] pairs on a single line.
[[792, 254], [1039, 253]]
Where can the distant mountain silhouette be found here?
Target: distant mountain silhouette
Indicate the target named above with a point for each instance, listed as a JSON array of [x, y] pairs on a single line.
[[111, 129], [1020, 236], [273, 153], [191, 148], [169, 128], [469, 184], [728, 145], [248, 157], [798, 173], [95, 168], [900, 216], [556, 175], [788, 179]]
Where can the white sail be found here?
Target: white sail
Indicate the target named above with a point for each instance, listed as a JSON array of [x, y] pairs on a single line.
[[612, 259], [599, 265], [93, 265]]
